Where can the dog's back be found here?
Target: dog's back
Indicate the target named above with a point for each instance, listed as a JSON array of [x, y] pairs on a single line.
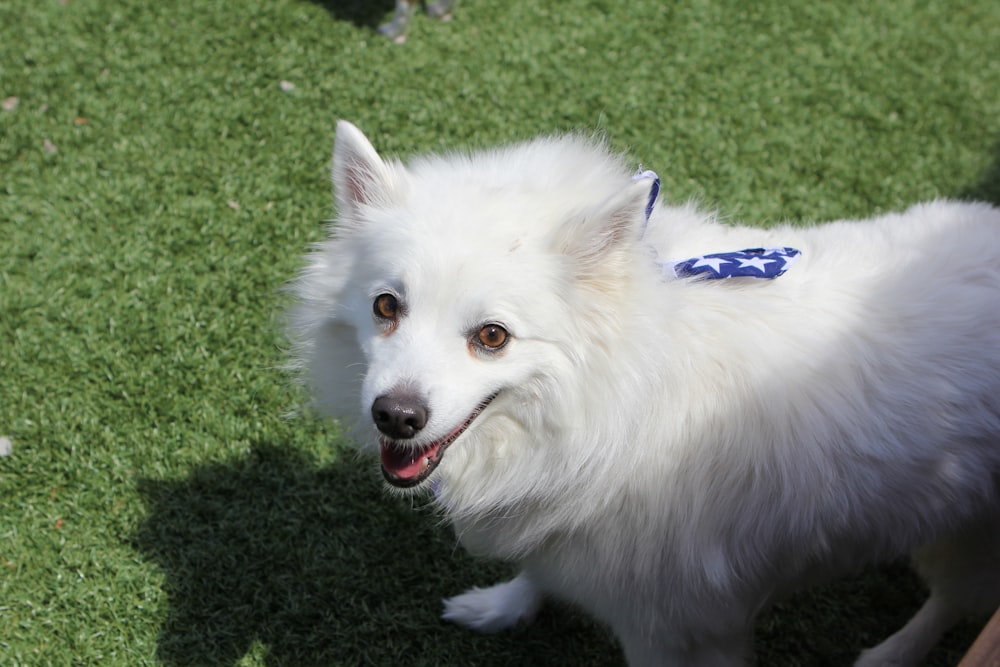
[[845, 413]]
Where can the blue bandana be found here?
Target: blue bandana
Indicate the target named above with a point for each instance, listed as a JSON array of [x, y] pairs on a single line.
[[767, 263]]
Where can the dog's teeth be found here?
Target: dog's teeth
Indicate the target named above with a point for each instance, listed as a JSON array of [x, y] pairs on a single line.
[[424, 464]]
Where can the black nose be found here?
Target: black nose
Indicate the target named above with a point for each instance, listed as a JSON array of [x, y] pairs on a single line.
[[399, 416]]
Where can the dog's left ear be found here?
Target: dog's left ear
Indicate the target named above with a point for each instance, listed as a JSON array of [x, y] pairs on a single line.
[[360, 177], [603, 231]]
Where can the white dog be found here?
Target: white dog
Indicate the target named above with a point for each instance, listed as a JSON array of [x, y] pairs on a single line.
[[555, 357]]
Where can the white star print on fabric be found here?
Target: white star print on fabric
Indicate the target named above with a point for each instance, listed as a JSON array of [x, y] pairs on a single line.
[[756, 262], [709, 260]]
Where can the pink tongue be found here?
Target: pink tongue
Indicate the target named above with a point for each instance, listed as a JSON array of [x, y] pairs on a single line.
[[404, 462]]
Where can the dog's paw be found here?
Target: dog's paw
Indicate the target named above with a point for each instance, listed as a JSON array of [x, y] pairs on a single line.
[[496, 608]]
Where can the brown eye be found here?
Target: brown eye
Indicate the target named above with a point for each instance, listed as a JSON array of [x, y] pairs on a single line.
[[492, 336], [386, 307]]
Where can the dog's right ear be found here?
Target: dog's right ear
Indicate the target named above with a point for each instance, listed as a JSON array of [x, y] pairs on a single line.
[[600, 233], [360, 177]]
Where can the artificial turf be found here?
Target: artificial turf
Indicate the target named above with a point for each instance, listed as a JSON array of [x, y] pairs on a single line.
[[165, 165]]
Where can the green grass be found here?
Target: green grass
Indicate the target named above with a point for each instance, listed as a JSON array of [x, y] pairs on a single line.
[[158, 187]]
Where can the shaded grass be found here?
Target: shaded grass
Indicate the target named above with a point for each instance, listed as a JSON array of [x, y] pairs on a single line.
[[158, 186], [266, 554], [274, 557]]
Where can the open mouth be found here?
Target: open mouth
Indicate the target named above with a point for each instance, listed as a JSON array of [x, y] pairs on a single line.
[[404, 466]]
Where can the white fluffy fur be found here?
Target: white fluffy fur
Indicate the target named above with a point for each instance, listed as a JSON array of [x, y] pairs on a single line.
[[671, 455]]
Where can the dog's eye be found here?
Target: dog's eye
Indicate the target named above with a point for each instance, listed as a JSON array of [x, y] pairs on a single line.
[[386, 307], [492, 336]]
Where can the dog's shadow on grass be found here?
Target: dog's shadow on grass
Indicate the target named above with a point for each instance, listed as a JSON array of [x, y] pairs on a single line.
[[297, 565], [276, 559]]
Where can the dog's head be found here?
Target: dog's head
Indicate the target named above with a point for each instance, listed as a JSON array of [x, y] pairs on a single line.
[[461, 297]]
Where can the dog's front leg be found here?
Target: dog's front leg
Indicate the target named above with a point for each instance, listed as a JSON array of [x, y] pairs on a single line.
[[496, 608]]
